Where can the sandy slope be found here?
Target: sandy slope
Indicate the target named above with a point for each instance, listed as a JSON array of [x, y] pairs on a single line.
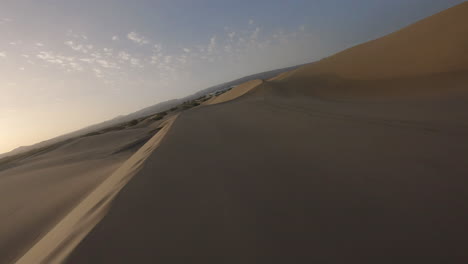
[[34, 200], [268, 178], [436, 44], [40, 190], [55, 246]]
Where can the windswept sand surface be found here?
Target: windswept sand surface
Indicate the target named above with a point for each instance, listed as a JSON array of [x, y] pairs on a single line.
[[40, 190], [269, 178]]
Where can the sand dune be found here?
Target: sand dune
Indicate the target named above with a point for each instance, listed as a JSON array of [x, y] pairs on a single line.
[[425, 60], [359, 158], [41, 188], [268, 178], [55, 246], [433, 45]]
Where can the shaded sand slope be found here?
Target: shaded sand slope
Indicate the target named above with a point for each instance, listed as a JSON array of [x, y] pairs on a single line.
[[279, 179], [332, 87], [38, 190], [433, 45]]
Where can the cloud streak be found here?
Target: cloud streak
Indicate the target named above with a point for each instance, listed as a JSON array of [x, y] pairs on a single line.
[[135, 37], [5, 20]]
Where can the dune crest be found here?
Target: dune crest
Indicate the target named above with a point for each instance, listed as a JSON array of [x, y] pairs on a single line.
[[235, 92]]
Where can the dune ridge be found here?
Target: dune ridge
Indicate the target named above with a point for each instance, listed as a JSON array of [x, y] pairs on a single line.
[[56, 245], [234, 92]]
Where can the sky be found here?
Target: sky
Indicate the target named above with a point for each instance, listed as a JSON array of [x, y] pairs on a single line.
[[67, 64]]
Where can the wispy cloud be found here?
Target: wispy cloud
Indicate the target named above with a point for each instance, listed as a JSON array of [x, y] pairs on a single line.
[[98, 72], [108, 51], [53, 58], [72, 34], [2, 54], [106, 64], [254, 35], [67, 63], [79, 47], [251, 22], [5, 20], [212, 45], [115, 37], [136, 62], [124, 56], [135, 37]]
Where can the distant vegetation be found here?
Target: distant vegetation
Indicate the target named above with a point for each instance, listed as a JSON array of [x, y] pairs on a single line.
[[218, 93], [133, 122], [189, 104], [113, 128], [196, 102], [159, 116]]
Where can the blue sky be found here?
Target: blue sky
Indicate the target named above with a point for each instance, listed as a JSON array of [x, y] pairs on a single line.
[[68, 64]]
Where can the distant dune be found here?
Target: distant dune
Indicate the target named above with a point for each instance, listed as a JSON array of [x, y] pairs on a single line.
[[437, 44], [426, 59]]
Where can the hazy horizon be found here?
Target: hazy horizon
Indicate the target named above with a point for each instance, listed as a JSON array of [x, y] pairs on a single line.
[[67, 65]]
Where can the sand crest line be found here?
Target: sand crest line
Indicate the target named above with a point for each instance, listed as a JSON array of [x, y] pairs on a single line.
[[236, 92], [59, 242]]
